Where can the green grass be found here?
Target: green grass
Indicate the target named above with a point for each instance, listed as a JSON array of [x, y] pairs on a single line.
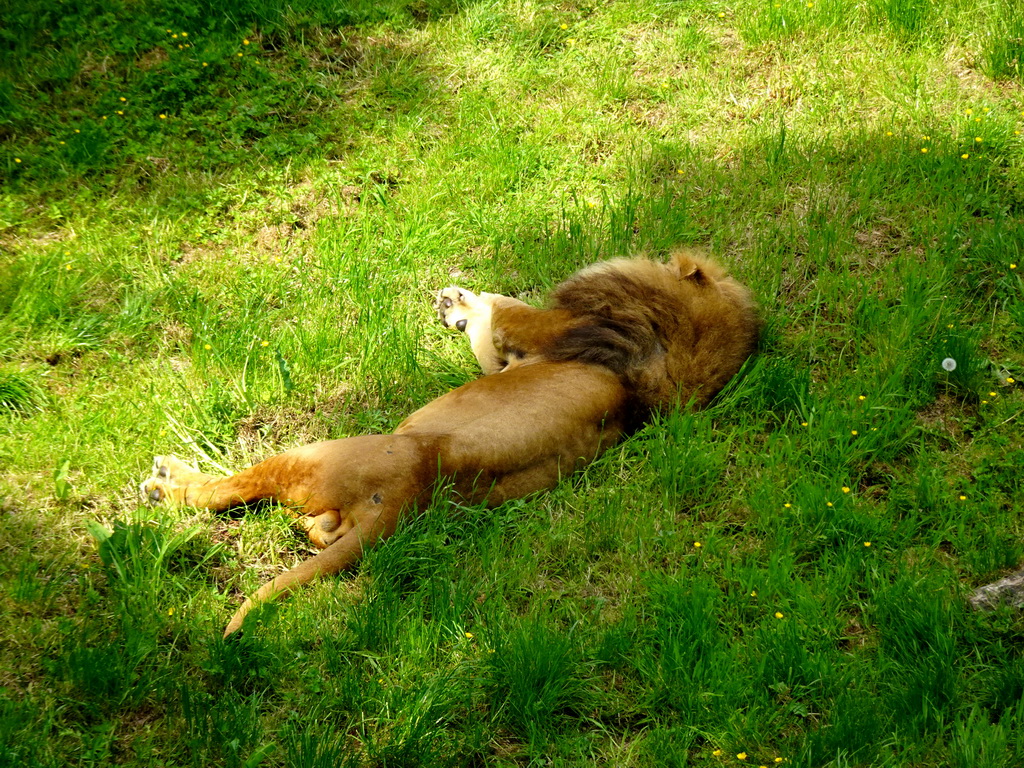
[[782, 575]]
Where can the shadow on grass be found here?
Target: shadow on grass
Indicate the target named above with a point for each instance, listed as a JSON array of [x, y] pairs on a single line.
[[111, 91]]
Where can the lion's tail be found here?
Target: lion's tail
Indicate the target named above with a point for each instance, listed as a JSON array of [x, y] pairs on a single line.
[[342, 554]]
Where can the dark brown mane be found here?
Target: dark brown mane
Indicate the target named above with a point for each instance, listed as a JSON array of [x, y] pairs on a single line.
[[672, 332]]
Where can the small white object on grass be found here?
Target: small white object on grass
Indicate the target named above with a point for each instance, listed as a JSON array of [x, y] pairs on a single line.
[[949, 364]]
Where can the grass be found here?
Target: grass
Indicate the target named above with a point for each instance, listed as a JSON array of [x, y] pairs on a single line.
[[782, 575]]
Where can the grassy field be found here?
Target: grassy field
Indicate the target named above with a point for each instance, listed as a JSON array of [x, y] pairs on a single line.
[[220, 232]]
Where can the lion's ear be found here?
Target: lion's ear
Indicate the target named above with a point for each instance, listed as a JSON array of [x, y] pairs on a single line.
[[692, 272], [689, 262]]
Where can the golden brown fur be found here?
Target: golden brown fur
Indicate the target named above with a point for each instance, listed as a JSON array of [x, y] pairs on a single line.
[[673, 332], [619, 339]]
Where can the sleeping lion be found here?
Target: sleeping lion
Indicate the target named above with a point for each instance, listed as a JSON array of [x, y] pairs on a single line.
[[619, 340]]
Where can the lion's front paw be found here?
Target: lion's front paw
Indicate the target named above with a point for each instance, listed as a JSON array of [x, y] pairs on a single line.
[[454, 306]]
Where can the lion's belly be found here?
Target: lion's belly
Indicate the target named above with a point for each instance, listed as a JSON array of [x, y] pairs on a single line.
[[513, 433]]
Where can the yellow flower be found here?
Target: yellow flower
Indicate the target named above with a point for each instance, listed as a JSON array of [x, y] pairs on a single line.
[[854, 432], [888, 133], [741, 756], [964, 156], [991, 394], [239, 55], [17, 159], [120, 111], [170, 611], [846, 489], [828, 503], [697, 544], [754, 593], [778, 615], [680, 171], [862, 397], [205, 64], [184, 34], [469, 635], [787, 505], [207, 346], [122, 99], [264, 343], [1010, 380], [245, 42], [1013, 266], [163, 116], [969, 112], [977, 138], [962, 497], [717, 752], [563, 26], [867, 543], [924, 150], [803, 423]]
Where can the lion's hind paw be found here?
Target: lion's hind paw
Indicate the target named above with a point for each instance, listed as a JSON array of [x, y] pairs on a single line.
[[168, 474]]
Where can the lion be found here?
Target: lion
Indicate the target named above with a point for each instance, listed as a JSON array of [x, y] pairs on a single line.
[[618, 341]]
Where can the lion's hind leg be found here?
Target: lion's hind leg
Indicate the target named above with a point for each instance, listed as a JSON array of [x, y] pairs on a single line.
[[170, 479], [329, 485], [175, 482]]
